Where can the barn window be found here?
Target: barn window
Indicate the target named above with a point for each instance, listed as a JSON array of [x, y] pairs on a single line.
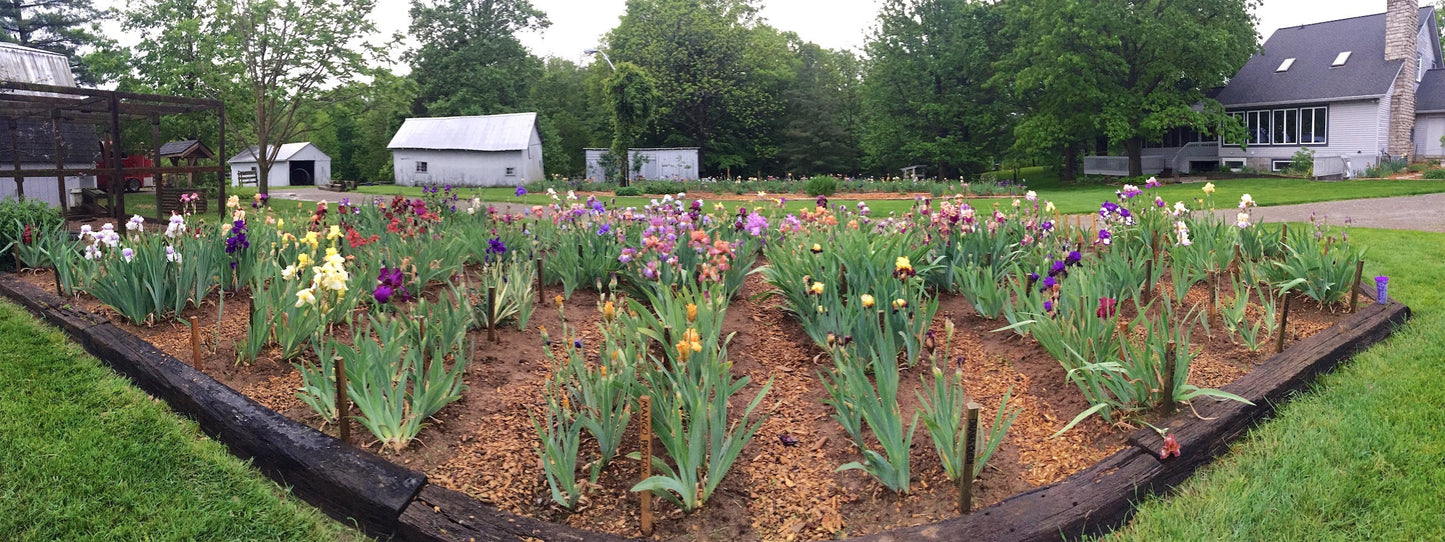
[[511, 171], [421, 167]]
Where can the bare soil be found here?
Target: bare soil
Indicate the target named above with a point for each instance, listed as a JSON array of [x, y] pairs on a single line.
[[484, 445]]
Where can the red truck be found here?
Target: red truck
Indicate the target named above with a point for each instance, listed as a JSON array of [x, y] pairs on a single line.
[[133, 182]]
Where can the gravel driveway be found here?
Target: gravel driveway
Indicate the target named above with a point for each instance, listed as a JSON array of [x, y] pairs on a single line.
[[1424, 213]]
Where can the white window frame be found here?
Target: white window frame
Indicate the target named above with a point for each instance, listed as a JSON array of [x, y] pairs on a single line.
[[1278, 164], [1341, 59], [421, 167], [1285, 66], [1291, 136], [1419, 66], [511, 172], [1322, 135]]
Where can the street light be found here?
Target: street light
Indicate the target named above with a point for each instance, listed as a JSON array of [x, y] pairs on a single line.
[[596, 51]]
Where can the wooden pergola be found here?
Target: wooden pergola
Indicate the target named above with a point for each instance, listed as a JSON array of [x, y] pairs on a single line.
[[58, 105]]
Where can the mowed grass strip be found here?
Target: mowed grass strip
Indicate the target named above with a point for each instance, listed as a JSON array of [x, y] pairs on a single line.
[[86, 456], [1359, 457], [1069, 199]]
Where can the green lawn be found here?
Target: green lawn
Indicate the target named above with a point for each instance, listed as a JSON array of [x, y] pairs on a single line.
[[86, 456], [1076, 199], [1360, 457]]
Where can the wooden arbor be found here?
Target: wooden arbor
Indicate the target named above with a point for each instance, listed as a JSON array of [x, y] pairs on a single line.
[[55, 108], [188, 153]]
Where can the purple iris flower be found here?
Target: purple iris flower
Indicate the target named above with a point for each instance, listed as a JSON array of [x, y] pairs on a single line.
[[388, 284], [521, 191], [495, 246], [604, 230], [1074, 258], [1058, 268], [1048, 284], [382, 293], [1048, 306]]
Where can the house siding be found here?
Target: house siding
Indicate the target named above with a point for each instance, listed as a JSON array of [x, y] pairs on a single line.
[[1357, 129], [1428, 131], [44, 188], [462, 168]]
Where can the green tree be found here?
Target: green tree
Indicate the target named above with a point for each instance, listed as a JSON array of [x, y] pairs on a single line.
[[926, 95], [1138, 67], [469, 61], [563, 101], [717, 70], [356, 132], [66, 27], [824, 113], [180, 53], [632, 97], [295, 55]]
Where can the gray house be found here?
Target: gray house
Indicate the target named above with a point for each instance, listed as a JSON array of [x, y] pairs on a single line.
[[1354, 91], [491, 150]]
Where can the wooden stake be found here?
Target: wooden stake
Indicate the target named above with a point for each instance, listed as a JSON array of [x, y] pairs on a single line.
[[1283, 237], [195, 343], [1283, 321], [1148, 279], [61, 291], [969, 452], [1355, 289], [843, 282], [343, 426], [579, 251], [1168, 378], [646, 496], [492, 314], [539, 280], [882, 324]]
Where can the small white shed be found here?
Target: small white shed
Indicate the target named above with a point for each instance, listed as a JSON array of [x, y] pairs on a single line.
[[297, 164], [490, 150], [670, 164]]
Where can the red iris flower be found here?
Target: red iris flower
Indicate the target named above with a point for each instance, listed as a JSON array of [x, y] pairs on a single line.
[[1107, 307]]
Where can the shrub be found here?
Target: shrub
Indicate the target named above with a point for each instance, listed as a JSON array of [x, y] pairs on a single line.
[[1435, 174], [1303, 163], [627, 191], [1419, 167], [821, 185]]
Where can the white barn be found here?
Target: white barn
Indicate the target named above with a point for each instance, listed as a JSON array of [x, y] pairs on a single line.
[[672, 164], [490, 150], [36, 137], [297, 164]]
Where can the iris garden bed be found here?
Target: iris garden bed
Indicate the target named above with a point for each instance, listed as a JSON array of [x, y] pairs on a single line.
[[817, 332]]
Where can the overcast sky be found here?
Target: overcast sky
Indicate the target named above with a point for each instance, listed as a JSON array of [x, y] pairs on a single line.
[[835, 24]]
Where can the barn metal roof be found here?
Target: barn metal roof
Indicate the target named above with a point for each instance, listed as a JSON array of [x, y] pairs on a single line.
[[19, 63], [248, 156], [510, 132], [1311, 78]]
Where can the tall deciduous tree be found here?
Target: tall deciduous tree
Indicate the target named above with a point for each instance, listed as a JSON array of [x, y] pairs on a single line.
[[1143, 64], [469, 61], [60, 26], [926, 92], [293, 54], [715, 81], [561, 97], [632, 97]]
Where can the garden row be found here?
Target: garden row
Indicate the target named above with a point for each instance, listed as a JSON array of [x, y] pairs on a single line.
[[407, 279]]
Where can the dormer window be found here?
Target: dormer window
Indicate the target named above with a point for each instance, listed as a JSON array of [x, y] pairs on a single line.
[[1284, 66], [1341, 59]]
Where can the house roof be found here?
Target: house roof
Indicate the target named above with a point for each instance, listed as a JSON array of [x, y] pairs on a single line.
[[510, 132], [78, 142], [1430, 97], [288, 150], [1311, 78], [180, 149], [18, 63]]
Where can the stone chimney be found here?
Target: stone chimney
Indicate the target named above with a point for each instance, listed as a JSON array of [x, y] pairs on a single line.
[[1402, 30]]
